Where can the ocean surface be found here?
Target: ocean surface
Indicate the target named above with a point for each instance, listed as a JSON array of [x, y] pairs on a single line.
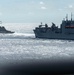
[[23, 45]]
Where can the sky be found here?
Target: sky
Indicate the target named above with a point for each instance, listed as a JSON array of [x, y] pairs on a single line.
[[35, 11]]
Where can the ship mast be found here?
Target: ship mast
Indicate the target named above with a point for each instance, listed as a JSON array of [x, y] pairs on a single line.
[[41, 23], [71, 16], [66, 17]]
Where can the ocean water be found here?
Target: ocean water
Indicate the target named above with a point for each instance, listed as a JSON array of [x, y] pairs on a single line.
[[23, 45]]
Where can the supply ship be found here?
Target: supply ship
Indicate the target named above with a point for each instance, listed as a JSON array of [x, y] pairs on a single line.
[[65, 31]]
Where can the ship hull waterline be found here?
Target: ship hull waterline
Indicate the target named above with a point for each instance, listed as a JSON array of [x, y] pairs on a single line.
[[54, 36], [7, 32]]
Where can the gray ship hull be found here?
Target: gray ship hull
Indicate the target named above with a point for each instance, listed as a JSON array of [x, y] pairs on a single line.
[[6, 32], [52, 35]]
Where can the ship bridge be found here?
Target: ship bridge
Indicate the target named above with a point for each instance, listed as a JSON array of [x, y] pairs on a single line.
[[67, 26]]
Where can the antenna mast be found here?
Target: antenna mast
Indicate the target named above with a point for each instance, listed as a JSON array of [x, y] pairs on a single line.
[[66, 17], [71, 16]]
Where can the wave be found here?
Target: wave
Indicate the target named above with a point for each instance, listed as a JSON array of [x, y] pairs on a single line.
[[17, 36]]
